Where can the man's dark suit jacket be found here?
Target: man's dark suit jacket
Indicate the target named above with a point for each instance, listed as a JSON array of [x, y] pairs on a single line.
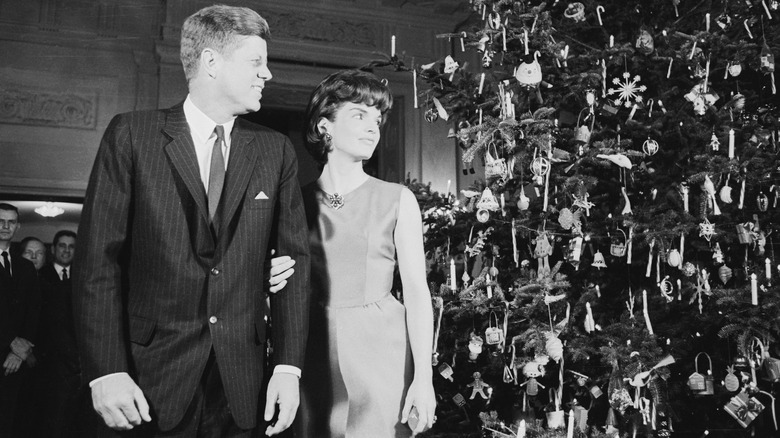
[[20, 304], [57, 334], [155, 290]]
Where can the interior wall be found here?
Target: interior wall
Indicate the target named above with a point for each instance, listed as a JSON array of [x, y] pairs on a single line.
[[70, 65]]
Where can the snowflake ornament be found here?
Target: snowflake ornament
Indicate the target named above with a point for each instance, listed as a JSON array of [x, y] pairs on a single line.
[[706, 229], [628, 90]]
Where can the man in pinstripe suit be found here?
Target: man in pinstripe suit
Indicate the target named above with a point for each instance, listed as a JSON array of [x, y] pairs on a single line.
[[182, 206]]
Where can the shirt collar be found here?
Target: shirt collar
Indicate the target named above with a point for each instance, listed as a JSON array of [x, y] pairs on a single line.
[[58, 267], [201, 125]]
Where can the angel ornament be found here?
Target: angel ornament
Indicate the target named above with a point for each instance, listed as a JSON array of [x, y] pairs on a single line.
[[543, 251]]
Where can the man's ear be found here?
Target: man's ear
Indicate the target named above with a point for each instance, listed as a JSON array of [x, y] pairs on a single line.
[[209, 61]]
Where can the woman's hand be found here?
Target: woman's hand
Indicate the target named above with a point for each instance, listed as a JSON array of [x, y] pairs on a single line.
[[281, 270], [422, 397]]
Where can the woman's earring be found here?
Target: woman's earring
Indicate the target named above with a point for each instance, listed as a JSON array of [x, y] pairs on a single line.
[[328, 137]]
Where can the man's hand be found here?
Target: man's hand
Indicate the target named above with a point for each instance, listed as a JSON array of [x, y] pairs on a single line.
[[31, 360], [12, 363], [282, 391], [21, 347], [281, 270], [120, 402]]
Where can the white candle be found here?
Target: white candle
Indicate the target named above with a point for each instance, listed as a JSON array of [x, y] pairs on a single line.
[[489, 287], [481, 82], [707, 21], [503, 33], [521, 429], [449, 182], [731, 144], [392, 45], [453, 283], [754, 289], [414, 81], [646, 312], [503, 212], [612, 41], [570, 429], [768, 267]]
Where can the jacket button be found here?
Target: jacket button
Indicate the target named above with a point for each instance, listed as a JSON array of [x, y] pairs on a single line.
[[213, 320], [214, 271]]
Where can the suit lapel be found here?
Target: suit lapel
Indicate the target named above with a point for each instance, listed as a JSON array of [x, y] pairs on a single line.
[[181, 152], [241, 164]]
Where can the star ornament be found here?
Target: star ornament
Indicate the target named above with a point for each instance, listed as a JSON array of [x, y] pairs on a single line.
[[628, 90], [706, 229]]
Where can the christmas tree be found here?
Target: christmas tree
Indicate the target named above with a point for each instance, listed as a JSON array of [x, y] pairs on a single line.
[[613, 273]]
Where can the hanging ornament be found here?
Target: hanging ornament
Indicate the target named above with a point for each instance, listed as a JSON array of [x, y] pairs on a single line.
[[475, 346], [566, 218], [628, 91], [650, 146], [717, 254], [583, 203], [700, 98], [493, 333], [523, 201], [598, 260], [431, 115], [487, 58], [478, 386], [724, 274], [575, 11], [734, 69], [529, 75], [554, 347], [450, 66], [767, 60], [688, 269], [540, 166], [762, 202], [618, 247], [532, 370], [725, 192], [673, 258], [730, 382], [714, 142], [667, 289], [706, 230], [709, 189], [590, 323], [723, 21], [488, 201], [543, 251], [644, 43]]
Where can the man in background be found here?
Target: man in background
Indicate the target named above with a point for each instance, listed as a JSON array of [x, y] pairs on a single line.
[[19, 312], [61, 371]]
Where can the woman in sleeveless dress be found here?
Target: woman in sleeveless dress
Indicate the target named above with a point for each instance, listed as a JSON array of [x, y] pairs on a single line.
[[367, 372]]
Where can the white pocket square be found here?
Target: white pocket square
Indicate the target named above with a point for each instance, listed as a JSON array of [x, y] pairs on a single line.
[[261, 195]]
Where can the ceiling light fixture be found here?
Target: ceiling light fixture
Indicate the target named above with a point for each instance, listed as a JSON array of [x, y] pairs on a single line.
[[49, 210]]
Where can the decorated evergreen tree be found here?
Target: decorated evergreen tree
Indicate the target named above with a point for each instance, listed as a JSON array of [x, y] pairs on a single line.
[[614, 271]]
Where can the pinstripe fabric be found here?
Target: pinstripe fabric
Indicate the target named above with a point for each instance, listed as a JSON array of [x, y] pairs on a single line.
[[145, 278]]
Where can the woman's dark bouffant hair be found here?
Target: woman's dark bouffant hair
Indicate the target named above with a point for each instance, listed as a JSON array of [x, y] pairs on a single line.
[[338, 88]]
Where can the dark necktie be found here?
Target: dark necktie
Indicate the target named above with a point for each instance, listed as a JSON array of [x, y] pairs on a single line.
[[216, 173], [64, 274], [6, 263]]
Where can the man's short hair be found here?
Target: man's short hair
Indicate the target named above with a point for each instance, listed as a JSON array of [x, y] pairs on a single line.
[[63, 233], [217, 27], [9, 207], [27, 240]]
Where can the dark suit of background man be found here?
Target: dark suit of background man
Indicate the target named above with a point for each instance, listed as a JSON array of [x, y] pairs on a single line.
[[19, 310], [61, 374], [169, 277]]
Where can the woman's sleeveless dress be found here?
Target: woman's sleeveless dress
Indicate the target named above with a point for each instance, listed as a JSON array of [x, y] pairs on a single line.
[[359, 363]]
